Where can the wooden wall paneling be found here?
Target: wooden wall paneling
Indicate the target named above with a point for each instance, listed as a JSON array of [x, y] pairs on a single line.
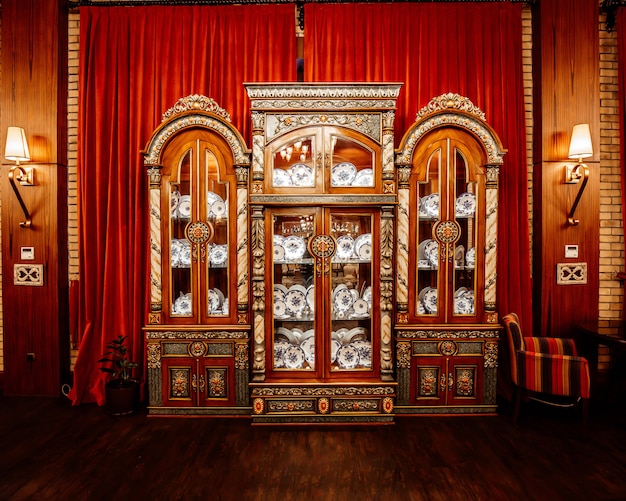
[[566, 92], [34, 96]]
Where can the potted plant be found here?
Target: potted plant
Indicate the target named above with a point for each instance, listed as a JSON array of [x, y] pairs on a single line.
[[122, 391]]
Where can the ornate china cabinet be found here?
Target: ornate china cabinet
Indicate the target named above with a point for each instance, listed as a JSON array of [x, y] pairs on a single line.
[[197, 337], [322, 203], [446, 326]]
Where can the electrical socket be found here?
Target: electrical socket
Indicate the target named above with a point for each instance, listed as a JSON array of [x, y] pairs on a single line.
[[30, 357]]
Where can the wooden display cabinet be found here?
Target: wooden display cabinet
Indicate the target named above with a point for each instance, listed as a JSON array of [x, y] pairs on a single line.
[[198, 328], [322, 200], [446, 321]]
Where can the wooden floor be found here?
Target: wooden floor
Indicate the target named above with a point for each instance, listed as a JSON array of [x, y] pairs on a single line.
[[50, 450]]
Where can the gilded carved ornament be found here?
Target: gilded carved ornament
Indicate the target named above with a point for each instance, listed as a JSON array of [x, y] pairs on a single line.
[[196, 102]]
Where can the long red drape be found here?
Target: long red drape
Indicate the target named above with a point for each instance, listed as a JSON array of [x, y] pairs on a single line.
[[474, 50], [134, 64]]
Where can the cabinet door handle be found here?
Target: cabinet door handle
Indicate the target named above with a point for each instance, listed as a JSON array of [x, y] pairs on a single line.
[[194, 383], [450, 381], [202, 383]]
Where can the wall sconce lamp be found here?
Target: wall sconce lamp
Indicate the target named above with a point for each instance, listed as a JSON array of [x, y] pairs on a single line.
[[580, 147], [17, 149]]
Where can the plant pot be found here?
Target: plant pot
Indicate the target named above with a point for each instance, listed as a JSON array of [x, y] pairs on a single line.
[[121, 399]]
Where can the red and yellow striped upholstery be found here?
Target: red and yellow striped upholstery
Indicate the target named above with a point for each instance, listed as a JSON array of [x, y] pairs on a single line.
[[546, 364]]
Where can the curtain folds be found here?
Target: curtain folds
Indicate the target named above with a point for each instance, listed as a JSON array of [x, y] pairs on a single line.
[[470, 49], [135, 63]]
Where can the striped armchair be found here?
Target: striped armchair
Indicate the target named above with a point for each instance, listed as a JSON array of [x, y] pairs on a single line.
[[545, 365]]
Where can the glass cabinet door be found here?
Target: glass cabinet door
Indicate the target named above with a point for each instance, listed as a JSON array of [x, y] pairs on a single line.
[[429, 213], [464, 285], [322, 160], [294, 289], [217, 262], [350, 293], [449, 189], [181, 205], [198, 229]]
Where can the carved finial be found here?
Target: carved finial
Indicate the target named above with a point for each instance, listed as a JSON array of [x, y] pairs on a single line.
[[450, 101], [196, 102]]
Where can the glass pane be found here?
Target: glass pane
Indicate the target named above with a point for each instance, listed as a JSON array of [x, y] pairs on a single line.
[[464, 252], [293, 293], [217, 264], [351, 294], [352, 163], [428, 249], [293, 164], [180, 259]]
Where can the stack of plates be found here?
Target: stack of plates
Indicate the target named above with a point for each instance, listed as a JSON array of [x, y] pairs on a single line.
[[464, 301], [351, 348], [181, 253], [216, 206], [218, 255], [300, 175], [429, 205], [296, 301], [349, 248], [428, 300], [294, 349], [217, 302], [182, 305], [428, 253], [466, 205], [349, 303]]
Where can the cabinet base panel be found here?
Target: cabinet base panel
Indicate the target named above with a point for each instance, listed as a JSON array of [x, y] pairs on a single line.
[[200, 411], [322, 419], [490, 410]]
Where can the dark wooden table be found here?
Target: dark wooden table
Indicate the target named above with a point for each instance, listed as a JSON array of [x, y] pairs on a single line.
[[612, 334]]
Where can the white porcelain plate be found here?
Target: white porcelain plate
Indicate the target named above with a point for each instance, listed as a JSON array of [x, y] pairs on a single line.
[[184, 206], [430, 300], [308, 347], [295, 301], [215, 301], [364, 177], [470, 257], [343, 174], [345, 247], [185, 253], [294, 357], [281, 178], [466, 204], [176, 250], [302, 175], [294, 247], [348, 357], [218, 255], [343, 300], [365, 352], [430, 204], [431, 251]]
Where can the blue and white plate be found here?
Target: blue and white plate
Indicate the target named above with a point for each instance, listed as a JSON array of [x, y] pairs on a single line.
[[218, 255], [364, 177], [466, 204], [308, 347], [430, 204], [348, 357], [302, 175], [281, 178], [470, 257], [430, 300], [365, 352], [343, 174], [294, 247], [345, 247], [294, 357]]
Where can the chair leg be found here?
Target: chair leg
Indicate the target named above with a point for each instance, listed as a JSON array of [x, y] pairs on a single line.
[[517, 400], [585, 411]]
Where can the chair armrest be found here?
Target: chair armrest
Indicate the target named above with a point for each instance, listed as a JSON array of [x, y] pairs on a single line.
[[555, 374], [551, 345]]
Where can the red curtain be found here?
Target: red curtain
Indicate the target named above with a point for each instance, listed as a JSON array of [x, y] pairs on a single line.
[[474, 50], [134, 64]]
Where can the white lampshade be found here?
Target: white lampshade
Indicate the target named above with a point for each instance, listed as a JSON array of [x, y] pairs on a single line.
[[16, 147], [580, 146]]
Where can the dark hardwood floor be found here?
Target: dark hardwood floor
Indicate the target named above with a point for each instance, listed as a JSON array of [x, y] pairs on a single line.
[[51, 450]]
